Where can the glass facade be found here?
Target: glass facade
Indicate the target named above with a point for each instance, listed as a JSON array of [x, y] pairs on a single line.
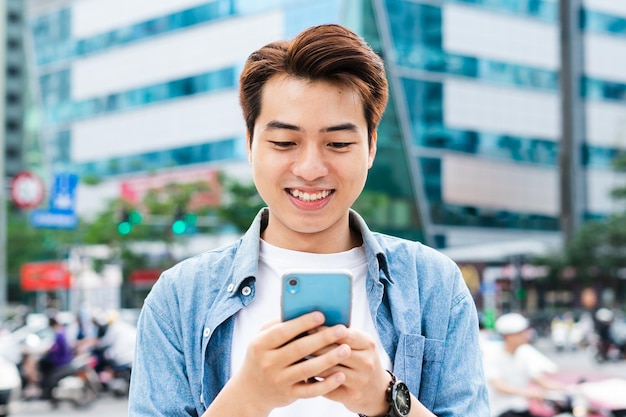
[[60, 109], [54, 42], [423, 67], [405, 193]]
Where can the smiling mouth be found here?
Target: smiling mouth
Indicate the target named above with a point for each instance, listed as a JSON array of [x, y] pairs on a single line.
[[309, 197]]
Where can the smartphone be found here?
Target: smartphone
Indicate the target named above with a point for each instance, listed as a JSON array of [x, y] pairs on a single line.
[[328, 291]]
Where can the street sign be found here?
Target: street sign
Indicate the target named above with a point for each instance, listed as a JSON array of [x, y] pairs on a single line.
[[51, 220], [63, 193], [27, 190], [61, 214]]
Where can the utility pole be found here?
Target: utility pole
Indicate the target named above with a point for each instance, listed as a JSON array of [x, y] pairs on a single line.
[[572, 176], [3, 171]]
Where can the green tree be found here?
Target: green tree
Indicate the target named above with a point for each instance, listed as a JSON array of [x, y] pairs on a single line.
[[240, 203]]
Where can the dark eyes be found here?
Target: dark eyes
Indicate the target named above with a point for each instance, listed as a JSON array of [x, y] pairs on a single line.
[[333, 145], [282, 144], [339, 145]]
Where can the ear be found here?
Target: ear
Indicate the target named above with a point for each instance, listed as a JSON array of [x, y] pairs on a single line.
[[372, 149], [249, 146]]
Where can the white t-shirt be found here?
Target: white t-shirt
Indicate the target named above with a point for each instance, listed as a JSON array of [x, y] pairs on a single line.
[[273, 261], [516, 370]]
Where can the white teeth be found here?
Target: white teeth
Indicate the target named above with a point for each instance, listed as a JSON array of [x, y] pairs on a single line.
[[309, 197]]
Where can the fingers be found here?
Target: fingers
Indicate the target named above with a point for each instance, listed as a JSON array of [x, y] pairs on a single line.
[[315, 344], [306, 389], [313, 376], [276, 334]]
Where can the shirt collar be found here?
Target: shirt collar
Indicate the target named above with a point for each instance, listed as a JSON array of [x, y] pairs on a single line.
[[246, 262]]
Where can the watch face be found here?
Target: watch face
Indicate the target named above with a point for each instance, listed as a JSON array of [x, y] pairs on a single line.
[[401, 399]]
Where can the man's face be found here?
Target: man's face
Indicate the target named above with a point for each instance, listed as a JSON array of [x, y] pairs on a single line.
[[309, 158]]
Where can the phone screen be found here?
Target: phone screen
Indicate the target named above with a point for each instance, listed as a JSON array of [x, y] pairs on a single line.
[[328, 291]]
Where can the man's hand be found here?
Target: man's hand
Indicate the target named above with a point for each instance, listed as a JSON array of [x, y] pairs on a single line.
[[364, 388], [273, 374]]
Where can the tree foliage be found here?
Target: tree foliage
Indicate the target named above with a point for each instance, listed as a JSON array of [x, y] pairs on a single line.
[[597, 251], [239, 204]]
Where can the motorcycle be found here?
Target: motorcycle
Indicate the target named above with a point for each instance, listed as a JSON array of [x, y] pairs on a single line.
[[10, 384], [116, 380], [603, 398], [78, 383]]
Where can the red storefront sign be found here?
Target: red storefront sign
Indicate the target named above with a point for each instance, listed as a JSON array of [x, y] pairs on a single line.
[[145, 277], [45, 276]]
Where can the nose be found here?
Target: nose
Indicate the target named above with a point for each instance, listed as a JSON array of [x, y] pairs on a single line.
[[310, 163]]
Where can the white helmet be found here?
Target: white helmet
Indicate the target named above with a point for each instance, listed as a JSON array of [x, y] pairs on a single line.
[[604, 315], [511, 323]]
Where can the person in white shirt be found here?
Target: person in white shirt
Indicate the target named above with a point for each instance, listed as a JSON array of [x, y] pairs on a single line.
[[517, 372]]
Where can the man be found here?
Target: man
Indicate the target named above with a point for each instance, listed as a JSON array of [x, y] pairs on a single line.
[[210, 341], [516, 371]]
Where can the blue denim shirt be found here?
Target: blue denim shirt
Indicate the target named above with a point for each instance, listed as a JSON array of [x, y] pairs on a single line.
[[424, 313]]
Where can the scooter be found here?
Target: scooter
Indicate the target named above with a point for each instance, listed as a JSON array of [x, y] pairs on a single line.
[[604, 398], [78, 384], [116, 380], [10, 383]]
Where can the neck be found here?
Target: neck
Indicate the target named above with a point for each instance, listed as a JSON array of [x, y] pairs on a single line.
[[339, 237]]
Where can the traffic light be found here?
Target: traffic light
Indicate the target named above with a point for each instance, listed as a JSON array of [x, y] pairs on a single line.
[[128, 218], [183, 222], [179, 225], [124, 226]]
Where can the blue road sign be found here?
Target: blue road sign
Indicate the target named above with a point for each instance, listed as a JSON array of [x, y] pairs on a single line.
[[52, 220], [63, 193]]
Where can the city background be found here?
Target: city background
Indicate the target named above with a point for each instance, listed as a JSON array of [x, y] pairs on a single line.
[[124, 145]]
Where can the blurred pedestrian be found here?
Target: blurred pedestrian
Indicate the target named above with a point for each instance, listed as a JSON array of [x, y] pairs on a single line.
[[43, 373], [517, 372], [115, 343], [209, 337]]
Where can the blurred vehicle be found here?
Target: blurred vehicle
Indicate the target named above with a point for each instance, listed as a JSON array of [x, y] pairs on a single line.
[[34, 337], [10, 384], [611, 332], [79, 384], [566, 333], [598, 398], [115, 349]]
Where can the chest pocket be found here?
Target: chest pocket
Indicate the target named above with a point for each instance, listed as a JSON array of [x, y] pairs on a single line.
[[418, 363]]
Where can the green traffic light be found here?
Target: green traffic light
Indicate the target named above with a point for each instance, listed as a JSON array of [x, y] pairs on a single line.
[[179, 227], [124, 228], [134, 217]]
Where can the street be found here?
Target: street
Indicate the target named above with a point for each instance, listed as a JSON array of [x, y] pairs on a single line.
[[580, 362], [571, 363], [104, 407]]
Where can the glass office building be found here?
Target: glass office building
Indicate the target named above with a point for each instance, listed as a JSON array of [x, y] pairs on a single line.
[[468, 148]]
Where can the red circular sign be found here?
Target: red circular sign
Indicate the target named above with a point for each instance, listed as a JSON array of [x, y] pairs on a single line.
[[27, 190]]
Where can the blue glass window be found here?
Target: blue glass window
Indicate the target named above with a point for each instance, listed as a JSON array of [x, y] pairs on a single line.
[[187, 155], [67, 111], [598, 22], [54, 43]]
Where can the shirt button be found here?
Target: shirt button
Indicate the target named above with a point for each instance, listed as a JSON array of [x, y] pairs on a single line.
[[207, 332], [246, 291], [231, 287]]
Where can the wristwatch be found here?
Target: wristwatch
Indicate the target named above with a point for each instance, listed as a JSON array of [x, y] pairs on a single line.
[[398, 397]]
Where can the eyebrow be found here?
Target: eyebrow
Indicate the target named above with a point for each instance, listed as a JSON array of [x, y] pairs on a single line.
[[276, 124]]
